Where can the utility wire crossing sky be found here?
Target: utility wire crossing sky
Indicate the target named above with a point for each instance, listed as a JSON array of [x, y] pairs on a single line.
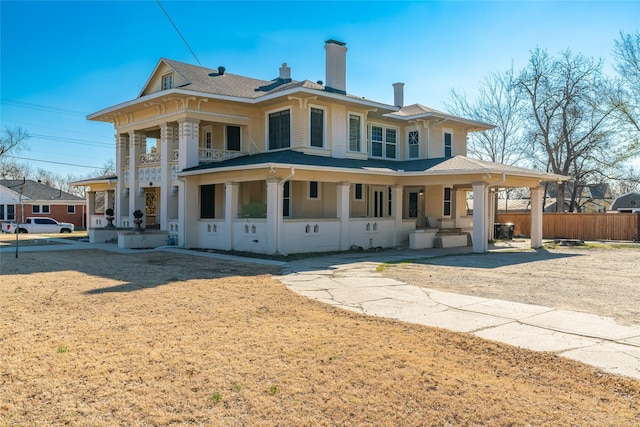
[[79, 57]]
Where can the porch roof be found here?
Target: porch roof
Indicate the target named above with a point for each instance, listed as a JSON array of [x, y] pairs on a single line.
[[457, 165]]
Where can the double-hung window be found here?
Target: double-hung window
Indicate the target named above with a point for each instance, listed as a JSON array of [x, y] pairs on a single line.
[[167, 81], [414, 144], [279, 129], [448, 144], [355, 133], [446, 202], [383, 142], [316, 129]]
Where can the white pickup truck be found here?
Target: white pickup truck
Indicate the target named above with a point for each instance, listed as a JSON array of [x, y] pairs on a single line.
[[39, 225]]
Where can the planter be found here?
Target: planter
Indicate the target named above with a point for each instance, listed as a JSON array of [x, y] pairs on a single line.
[[137, 222]]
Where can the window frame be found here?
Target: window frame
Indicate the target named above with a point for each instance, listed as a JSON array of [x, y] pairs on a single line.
[[71, 209], [384, 142], [286, 199], [447, 201], [446, 132], [41, 209], [310, 188], [360, 139], [355, 192], [268, 115], [211, 207], [226, 137], [410, 145], [167, 78], [323, 128]]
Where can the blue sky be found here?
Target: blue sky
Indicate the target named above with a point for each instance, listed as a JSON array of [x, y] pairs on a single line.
[[63, 60]]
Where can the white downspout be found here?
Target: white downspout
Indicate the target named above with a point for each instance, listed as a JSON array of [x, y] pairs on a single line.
[[280, 221]]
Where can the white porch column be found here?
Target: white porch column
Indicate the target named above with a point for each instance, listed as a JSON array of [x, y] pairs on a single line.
[[122, 172], [274, 214], [492, 214], [188, 212], [230, 210], [168, 136], [460, 207], [536, 216], [396, 198], [137, 146], [344, 214], [480, 218], [188, 143], [91, 207]]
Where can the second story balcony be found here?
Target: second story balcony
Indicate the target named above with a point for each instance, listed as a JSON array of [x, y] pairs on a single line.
[[215, 155]]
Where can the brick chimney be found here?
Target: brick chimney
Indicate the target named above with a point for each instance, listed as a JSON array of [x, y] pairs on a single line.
[[336, 66], [398, 94]]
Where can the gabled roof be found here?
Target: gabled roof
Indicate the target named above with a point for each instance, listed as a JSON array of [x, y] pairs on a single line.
[[421, 112], [208, 80], [36, 191], [203, 81]]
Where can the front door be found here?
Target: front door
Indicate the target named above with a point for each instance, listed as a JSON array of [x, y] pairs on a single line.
[[151, 206]]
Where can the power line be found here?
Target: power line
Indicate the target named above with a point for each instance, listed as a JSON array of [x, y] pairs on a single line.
[[33, 125], [73, 141], [56, 163], [44, 108], [179, 33]]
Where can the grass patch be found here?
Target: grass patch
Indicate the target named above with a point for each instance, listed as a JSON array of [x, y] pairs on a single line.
[[595, 245], [214, 347]]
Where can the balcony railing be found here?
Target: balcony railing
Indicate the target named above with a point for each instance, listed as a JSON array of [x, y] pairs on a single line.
[[204, 155], [214, 155], [149, 158]]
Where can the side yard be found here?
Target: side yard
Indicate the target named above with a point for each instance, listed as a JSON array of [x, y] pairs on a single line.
[[597, 279], [102, 339]]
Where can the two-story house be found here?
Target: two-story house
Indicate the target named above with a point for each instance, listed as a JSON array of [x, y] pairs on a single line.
[[228, 162]]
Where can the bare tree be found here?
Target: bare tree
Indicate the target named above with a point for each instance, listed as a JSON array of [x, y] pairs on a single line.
[[626, 53], [12, 140], [11, 169], [570, 129], [498, 103]]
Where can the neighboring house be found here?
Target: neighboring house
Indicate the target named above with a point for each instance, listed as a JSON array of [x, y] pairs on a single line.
[[629, 202], [522, 205], [590, 198], [228, 162], [25, 198]]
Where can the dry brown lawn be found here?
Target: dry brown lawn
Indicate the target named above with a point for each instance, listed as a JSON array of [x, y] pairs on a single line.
[[151, 339]]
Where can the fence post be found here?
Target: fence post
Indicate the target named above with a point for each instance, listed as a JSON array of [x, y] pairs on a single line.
[[637, 227]]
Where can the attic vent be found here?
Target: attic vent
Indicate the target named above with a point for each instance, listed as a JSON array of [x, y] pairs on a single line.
[[221, 70]]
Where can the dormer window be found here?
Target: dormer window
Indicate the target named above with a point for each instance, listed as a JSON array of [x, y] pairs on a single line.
[[167, 81]]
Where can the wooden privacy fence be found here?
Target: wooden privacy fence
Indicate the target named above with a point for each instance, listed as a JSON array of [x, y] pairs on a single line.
[[583, 226]]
